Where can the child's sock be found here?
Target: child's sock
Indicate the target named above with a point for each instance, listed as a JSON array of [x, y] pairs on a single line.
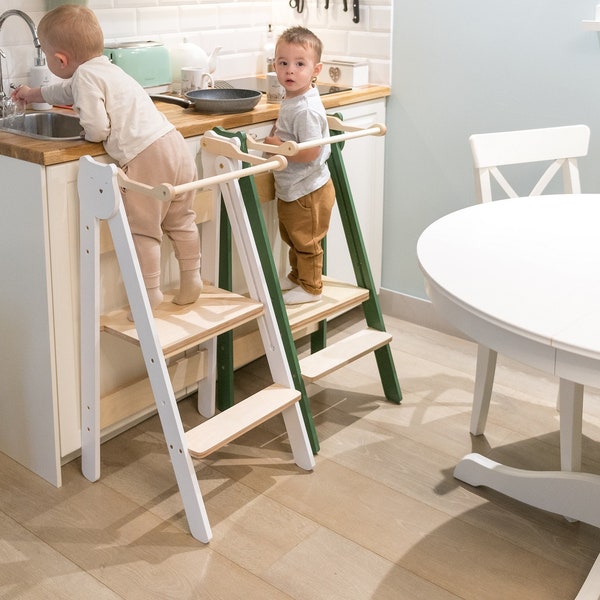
[[190, 286], [155, 297]]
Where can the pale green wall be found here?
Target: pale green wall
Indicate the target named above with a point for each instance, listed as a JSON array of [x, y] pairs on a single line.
[[472, 66]]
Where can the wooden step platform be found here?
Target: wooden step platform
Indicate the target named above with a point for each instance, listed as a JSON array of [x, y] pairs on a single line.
[[240, 418], [343, 352], [181, 327], [337, 297]]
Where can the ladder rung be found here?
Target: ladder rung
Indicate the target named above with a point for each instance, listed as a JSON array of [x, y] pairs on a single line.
[[240, 418], [341, 353], [181, 327]]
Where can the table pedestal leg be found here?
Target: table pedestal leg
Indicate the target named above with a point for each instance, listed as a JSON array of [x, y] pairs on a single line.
[[484, 380], [570, 404], [574, 495]]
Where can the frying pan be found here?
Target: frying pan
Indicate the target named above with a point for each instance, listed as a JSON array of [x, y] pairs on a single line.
[[215, 100]]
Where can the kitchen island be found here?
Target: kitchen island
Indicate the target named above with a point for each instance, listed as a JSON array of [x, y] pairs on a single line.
[[39, 366]]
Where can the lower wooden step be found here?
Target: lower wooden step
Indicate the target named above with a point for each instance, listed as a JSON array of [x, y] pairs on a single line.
[[341, 353], [240, 418]]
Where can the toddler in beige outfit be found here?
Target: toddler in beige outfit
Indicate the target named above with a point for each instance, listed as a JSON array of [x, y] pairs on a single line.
[[115, 110]]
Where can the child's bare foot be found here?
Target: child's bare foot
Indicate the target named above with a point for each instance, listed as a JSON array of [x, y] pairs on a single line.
[[155, 297], [190, 287]]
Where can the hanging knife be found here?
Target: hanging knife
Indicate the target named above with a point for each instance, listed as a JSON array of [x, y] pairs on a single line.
[[356, 17], [345, 5], [326, 4]]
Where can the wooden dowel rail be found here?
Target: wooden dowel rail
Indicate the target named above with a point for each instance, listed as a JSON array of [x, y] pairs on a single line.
[[291, 148], [166, 191], [227, 147]]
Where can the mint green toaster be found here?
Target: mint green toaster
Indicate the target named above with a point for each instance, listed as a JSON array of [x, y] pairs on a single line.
[[147, 62]]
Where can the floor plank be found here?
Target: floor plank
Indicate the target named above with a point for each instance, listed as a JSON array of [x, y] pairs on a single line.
[[380, 517]]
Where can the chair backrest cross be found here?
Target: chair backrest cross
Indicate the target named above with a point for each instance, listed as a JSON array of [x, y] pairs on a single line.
[[560, 145]]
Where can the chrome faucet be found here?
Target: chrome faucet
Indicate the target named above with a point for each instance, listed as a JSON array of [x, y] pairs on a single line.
[[39, 58], [2, 94]]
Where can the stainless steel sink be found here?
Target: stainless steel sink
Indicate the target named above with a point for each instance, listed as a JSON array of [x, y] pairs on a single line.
[[43, 126]]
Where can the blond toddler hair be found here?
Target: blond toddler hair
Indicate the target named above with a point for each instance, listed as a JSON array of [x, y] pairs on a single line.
[[74, 30]]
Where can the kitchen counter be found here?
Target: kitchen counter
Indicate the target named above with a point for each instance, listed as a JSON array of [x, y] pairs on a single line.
[[40, 352], [189, 122]]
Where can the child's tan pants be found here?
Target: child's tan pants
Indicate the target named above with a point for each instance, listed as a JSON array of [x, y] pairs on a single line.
[[167, 160], [303, 223]]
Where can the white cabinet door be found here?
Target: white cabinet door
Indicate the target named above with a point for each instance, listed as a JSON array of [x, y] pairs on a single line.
[[364, 161], [28, 397], [121, 364]]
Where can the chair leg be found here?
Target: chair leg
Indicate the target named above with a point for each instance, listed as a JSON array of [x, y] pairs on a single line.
[[484, 380], [570, 399]]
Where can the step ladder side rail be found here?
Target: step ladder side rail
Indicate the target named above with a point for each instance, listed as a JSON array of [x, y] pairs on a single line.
[[268, 326], [260, 235], [91, 183], [154, 360], [261, 240], [362, 270], [210, 238], [225, 358], [275, 351], [318, 338]]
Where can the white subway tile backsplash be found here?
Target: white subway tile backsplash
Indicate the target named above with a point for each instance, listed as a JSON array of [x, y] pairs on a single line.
[[335, 41], [380, 71], [239, 26], [238, 65], [117, 23], [380, 18], [96, 5], [198, 17], [244, 14], [370, 44], [163, 19]]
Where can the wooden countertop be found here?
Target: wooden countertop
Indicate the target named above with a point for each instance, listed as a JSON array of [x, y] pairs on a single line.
[[189, 122]]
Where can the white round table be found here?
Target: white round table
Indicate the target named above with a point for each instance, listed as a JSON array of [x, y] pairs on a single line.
[[522, 277]]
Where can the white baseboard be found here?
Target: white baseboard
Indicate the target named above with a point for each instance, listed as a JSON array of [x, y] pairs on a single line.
[[416, 310]]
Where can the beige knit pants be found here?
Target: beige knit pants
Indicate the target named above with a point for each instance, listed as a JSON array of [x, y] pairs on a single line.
[[167, 160]]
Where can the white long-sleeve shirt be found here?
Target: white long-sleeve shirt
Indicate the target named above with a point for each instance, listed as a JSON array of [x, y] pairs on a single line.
[[113, 108]]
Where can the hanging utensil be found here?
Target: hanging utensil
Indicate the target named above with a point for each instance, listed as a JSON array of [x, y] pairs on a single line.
[[298, 5], [326, 4], [345, 5], [356, 17]]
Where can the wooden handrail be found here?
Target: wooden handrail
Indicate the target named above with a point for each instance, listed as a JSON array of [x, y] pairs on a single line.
[[290, 148], [230, 148]]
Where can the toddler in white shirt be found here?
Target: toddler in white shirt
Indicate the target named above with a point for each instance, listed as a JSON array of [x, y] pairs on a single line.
[[115, 110]]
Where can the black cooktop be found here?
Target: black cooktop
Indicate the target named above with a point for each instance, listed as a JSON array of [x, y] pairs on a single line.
[[260, 84]]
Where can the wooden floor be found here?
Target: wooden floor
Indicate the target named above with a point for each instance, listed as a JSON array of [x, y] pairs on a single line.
[[381, 517]]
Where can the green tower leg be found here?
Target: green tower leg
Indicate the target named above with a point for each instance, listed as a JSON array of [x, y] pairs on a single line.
[[224, 393], [362, 270]]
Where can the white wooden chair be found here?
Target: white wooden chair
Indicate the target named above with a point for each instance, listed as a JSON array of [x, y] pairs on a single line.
[[561, 146]]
